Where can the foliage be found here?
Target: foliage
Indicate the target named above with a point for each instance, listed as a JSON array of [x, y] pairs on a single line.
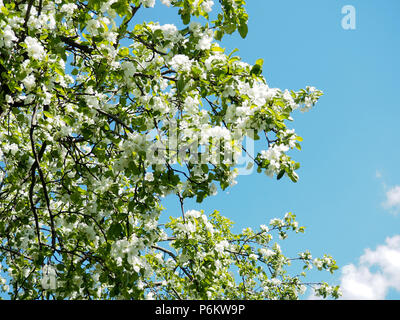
[[100, 119]]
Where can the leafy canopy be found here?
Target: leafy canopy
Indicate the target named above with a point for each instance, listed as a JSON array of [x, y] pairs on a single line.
[[102, 117]]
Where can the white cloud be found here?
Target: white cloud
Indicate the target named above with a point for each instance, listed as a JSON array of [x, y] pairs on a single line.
[[393, 199], [360, 284], [377, 272]]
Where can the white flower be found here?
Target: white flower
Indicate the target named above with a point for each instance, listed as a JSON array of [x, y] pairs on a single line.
[[302, 289], [274, 152], [107, 7], [275, 281], [13, 148], [8, 36], [204, 42], [217, 133], [212, 61], [29, 82], [213, 189], [180, 62], [189, 227], [166, 2], [209, 227], [149, 176], [129, 69], [311, 89], [65, 131], [276, 222], [195, 27], [150, 296], [229, 91], [191, 104], [148, 3], [221, 246], [260, 93], [193, 213], [49, 278], [266, 253], [292, 138], [318, 263], [160, 105], [3, 282], [289, 100], [253, 256], [68, 8], [34, 48], [169, 31], [92, 26], [9, 99], [207, 5]]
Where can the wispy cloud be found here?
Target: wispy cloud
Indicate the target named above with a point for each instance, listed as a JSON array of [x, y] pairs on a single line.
[[392, 201], [377, 271]]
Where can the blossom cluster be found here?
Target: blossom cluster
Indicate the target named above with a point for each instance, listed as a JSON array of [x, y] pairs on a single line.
[[101, 119], [205, 248]]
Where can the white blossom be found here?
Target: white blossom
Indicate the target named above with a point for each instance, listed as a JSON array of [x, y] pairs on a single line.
[[129, 69], [110, 107], [49, 278], [166, 2], [13, 148], [181, 62], [29, 82], [169, 31], [149, 176], [195, 27], [193, 214], [205, 42], [221, 246], [7, 37], [266, 253], [207, 5], [68, 8], [214, 60], [253, 256], [34, 48], [92, 26], [148, 3]]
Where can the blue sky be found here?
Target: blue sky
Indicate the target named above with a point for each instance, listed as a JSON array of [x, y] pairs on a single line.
[[351, 150]]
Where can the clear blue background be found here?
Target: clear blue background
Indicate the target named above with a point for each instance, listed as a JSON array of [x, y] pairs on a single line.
[[350, 135]]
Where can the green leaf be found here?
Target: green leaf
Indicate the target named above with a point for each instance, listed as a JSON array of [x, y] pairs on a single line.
[[230, 28], [293, 177], [115, 231], [280, 175], [256, 70], [260, 62], [243, 30], [185, 18], [204, 168], [124, 52], [48, 114], [180, 84], [218, 35]]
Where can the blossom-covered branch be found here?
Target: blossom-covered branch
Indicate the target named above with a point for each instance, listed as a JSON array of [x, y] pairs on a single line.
[[102, 117]]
